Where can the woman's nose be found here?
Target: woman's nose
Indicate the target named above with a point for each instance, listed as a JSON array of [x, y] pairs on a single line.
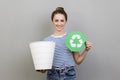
[[59, 23]]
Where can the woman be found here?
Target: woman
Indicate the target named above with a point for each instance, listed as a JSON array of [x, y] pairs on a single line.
[[64, 60]]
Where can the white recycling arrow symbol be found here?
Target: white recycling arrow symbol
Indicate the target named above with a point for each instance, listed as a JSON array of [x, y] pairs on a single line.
[[79, 39]]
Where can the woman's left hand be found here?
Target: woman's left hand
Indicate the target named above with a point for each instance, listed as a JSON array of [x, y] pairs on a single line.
[[88, 45]]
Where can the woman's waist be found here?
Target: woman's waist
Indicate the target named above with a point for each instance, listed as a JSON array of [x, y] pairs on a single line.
[[63, 64], [62, 67]]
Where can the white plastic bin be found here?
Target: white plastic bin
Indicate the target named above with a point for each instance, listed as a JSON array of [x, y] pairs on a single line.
[[42, 54]]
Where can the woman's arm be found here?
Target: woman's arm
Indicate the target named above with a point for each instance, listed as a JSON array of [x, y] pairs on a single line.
[[80, 57]]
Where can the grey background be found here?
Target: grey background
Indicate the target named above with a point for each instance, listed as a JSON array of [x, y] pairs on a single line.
[[25, 21]]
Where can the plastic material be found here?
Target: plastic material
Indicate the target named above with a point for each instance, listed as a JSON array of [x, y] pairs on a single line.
[[42, 54]]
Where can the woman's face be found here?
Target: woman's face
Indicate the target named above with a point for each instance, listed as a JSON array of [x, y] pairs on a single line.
[[59, 22]]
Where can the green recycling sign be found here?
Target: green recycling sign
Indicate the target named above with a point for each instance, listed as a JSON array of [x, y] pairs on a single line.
[[75, 41]]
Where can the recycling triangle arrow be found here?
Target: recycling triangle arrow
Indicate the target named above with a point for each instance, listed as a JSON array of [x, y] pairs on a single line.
[[75, 41]]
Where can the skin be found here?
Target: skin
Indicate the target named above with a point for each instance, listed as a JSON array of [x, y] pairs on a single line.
[[59, 22], [80, 57]]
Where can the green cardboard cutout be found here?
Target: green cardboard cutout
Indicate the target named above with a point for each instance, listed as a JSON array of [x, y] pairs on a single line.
[[75, 41]]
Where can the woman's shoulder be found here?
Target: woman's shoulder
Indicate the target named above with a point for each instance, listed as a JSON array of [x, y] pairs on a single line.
[[47, 38]]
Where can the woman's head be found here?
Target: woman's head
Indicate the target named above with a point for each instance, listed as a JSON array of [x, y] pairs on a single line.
[[59, 10], [59, 19]]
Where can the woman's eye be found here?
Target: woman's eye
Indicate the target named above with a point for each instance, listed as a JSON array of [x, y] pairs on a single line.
[[56, 20], [62, 20]]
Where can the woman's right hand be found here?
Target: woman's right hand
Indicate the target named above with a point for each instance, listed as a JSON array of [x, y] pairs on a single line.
[[42, 71]]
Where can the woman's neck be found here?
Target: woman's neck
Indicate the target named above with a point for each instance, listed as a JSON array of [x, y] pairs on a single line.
[[57, 33]]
